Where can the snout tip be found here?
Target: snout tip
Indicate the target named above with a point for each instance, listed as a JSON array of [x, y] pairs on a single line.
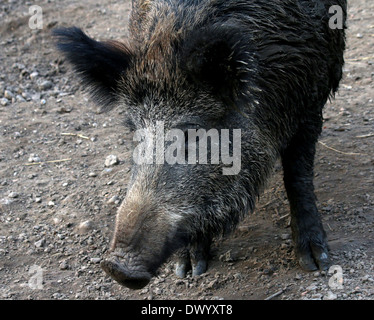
[[133, 279]]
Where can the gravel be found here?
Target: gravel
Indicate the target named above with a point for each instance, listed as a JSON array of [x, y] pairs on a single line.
[[60, 217]]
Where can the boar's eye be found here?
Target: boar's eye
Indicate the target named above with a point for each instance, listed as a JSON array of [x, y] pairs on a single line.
[[100, 64]]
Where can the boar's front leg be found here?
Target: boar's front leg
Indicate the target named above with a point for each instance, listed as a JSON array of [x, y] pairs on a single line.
[[307, 230], [194, 257]]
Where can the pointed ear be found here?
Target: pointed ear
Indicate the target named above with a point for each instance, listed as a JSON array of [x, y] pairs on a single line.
[[219, 58], [100, 64]]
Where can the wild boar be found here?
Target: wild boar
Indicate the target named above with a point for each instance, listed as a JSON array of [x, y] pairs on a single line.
[[264, 67]]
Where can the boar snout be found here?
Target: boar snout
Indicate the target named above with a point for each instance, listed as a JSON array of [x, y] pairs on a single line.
[[126, 271]]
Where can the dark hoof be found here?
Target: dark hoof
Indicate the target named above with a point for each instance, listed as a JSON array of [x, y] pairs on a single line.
[[181, 268], [313, 256], [199, 268], [195, 258]]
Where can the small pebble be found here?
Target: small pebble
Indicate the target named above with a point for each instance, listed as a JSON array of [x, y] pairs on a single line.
[[113, 200], [26, 96], [64, 265], [57, 221], [33, 158], [13, 195], [40, 243], [19, 98], [4, 101], [157, 291], [111, 160], [8, 94], [330, 296], [46, 85], [95, 260], [86, 226], [33, 75]]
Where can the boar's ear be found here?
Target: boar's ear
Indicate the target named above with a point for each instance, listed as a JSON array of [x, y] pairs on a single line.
[[100, 64], [219, 58]]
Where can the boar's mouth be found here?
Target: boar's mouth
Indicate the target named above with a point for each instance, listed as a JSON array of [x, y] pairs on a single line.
[[133, 278]]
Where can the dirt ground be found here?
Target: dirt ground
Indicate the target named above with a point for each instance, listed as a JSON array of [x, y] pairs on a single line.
[[58, 199]]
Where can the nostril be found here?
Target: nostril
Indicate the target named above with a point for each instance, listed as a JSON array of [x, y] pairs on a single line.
[[131, 278]]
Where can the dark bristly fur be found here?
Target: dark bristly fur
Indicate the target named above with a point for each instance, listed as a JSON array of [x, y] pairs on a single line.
[[266, 67], [101, 64]]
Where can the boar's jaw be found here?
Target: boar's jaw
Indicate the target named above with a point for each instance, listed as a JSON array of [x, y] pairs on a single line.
[[134, 277]]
